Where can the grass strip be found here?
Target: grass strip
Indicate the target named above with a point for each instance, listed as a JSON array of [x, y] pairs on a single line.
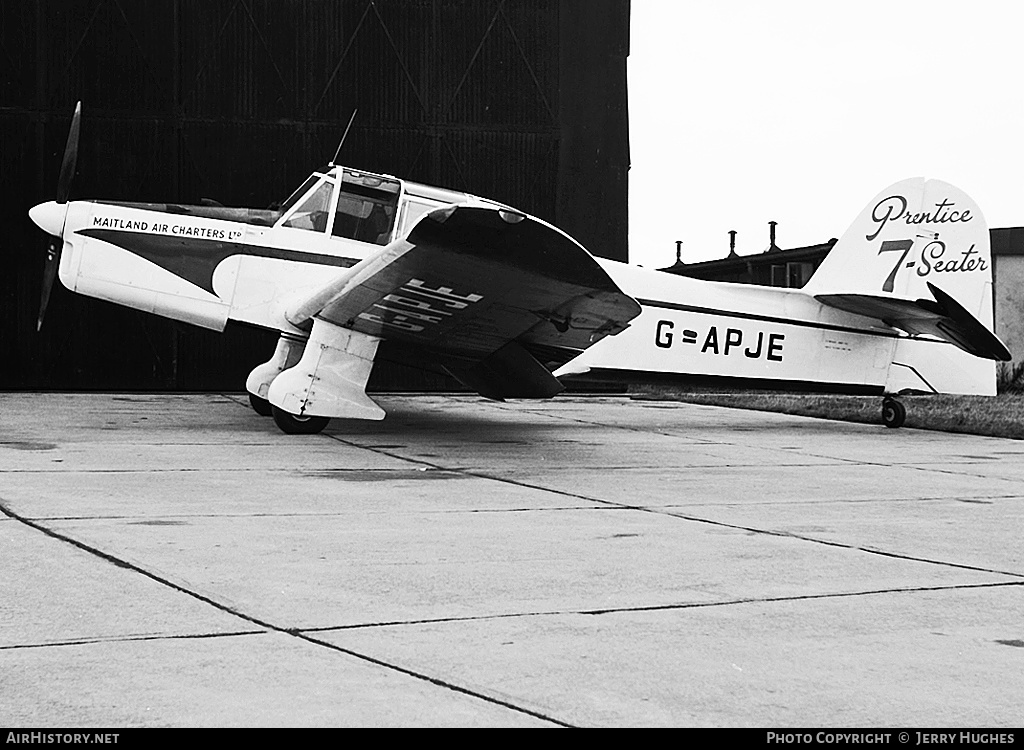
[[995, 416]]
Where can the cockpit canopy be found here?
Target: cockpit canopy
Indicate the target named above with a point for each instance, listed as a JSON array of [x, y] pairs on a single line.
[[345, 203]]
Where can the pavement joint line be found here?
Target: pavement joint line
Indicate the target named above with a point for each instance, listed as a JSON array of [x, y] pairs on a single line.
[[295, 633], [810, 597], [739, 444], [830, 543], [554, 414], [565, 418], [433, 680], [660, 607], [667, 508], [853, 501], [839, 545], [188, 470], [665, 432], [687, 517], [444, 511], [931, 469], [132, 639], [124, 564]]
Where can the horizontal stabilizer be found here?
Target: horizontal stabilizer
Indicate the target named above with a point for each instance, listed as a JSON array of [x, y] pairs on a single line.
[[943, 317]]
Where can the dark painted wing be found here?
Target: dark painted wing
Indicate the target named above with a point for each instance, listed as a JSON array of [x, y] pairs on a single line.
[[492, 294]]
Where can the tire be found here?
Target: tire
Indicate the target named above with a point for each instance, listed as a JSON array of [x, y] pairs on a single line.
[[295, 425], [894, 414], [260, 405]]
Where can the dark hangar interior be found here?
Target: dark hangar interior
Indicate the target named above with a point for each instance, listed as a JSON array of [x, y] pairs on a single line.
[[238, 100]]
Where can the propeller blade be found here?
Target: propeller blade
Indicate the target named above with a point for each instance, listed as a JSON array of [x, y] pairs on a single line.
[[67, 166], [48, 219], [49, 276]]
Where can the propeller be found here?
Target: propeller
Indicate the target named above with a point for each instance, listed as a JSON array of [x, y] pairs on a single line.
[[50, 216]]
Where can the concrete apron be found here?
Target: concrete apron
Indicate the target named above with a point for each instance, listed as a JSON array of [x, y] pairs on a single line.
[[176, 560]]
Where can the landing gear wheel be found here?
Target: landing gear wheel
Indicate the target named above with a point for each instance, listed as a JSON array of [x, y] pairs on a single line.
[[295, 425], [260, 405], [894, 414]]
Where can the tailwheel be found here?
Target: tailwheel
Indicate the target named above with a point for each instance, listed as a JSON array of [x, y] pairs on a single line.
[[296, 425], [260, 405], [894, 414]]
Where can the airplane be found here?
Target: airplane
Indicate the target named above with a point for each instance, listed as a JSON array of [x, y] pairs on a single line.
[[354, 264]]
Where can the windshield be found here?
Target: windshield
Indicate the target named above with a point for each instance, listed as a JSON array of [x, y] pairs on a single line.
[[292, 199], [312, 213], [364, 207]]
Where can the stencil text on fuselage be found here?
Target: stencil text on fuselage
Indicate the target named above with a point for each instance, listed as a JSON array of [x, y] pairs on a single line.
[[723, 341]]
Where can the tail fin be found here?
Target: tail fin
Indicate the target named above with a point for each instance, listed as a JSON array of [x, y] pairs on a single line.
[[918, 259]]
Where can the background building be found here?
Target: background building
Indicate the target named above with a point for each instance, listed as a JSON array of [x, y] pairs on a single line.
[[1008, 295], [774, 267], [238, 100]]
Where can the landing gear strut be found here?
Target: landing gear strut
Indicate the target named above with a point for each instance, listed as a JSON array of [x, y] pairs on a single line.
[[296, 425], [894, 414]]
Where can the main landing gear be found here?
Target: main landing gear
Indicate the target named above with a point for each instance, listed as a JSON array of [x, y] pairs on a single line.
[[312, 379], [894, 414], [260, 405], [292, 424]]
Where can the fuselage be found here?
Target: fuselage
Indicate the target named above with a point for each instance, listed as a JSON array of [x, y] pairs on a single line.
[[207, 265], [740, 334], [730, 336]]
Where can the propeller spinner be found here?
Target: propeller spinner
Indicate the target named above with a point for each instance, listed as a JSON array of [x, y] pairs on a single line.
[[50, 216]]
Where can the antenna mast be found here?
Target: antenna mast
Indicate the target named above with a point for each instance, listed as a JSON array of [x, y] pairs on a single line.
[[343, 137]]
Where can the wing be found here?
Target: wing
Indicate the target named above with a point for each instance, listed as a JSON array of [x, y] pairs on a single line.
[[496, 297], [943, 317]]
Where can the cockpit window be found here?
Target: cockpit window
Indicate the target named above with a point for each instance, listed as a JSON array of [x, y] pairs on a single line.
[[362, 218], [366, 208], [313, 213], [301, 191], [363, 208]]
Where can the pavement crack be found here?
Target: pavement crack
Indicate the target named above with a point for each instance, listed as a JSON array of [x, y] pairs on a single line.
[[739, 443], [130, 639], [435, 621], [681, 516], [831, 543], [114, 560], [432, 680], [803, 597], [659, 607]]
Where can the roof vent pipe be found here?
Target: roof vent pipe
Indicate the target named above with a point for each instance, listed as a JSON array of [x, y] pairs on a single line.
[[771, 235], [679, 251], [732, 243]]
